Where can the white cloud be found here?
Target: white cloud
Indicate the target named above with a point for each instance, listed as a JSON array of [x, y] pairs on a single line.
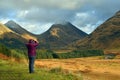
[[36, 28], [22, 13], [87, 21], [45, 15], [27, 4], [88, 28], [83, 18], [3, 21]]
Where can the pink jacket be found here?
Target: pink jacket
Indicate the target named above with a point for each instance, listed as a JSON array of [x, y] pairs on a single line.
[[32, 48]]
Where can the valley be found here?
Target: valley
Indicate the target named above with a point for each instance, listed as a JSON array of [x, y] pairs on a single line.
[[88, 68]]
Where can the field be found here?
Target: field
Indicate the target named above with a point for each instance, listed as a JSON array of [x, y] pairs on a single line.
[[92, 68], [88, 68]]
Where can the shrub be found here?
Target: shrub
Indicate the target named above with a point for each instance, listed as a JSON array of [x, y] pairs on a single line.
[[48, 54], [5, 50], [78, 54], [17, 54], [44, 54]]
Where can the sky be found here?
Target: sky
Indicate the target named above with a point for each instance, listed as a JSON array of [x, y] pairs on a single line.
[[37, 16]]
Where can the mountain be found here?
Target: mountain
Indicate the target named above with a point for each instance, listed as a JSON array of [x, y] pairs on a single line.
[[106, 36], [10, 38], [60, 35], [19, 30]]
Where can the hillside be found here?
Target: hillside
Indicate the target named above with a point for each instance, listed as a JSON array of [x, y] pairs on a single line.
[[60, 35], [106, 36], [10, 38]]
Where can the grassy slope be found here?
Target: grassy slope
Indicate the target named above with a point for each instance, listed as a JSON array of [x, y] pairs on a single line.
[[16, 71]]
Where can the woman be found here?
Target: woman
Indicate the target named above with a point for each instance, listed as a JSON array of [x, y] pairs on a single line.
[[31, 46]]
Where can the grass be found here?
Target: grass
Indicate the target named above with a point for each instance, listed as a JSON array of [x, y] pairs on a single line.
[[19, 71], [91, 68]]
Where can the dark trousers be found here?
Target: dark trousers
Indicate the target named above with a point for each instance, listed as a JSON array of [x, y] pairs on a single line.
[[31, 64]]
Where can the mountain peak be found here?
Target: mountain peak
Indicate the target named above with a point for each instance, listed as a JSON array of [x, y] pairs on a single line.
[[11, 21], [12, 24], [19, 30], [60, 35], [118, 13], [16, 27], [66, 27], [62, 25], [63, 22]]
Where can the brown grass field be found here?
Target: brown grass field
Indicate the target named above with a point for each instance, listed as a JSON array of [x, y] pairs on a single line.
[[93, 68]]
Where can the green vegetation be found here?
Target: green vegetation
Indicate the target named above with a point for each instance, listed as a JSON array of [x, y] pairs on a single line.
[[16, 53], [44, 54], [13, 43], [5, 50], [17, 71], [47, 54], [79, 53]]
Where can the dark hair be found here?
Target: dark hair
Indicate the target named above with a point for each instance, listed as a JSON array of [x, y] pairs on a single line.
[[30, 40]]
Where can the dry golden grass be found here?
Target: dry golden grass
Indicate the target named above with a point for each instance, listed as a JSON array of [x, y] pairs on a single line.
[[27, 37], [92, 68], [113, 51], [62, 51], [3, 57]]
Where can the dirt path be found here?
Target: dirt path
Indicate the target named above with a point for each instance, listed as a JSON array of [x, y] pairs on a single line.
[[91, 69]]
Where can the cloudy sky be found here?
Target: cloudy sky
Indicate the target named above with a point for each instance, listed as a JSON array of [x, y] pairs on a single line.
[[38, 15]]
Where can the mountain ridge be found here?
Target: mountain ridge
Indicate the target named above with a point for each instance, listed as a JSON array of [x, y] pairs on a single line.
[[58, 35]]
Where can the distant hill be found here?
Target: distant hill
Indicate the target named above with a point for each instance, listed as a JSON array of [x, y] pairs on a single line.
[[19, 30], [106, 36], [60, 35]]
